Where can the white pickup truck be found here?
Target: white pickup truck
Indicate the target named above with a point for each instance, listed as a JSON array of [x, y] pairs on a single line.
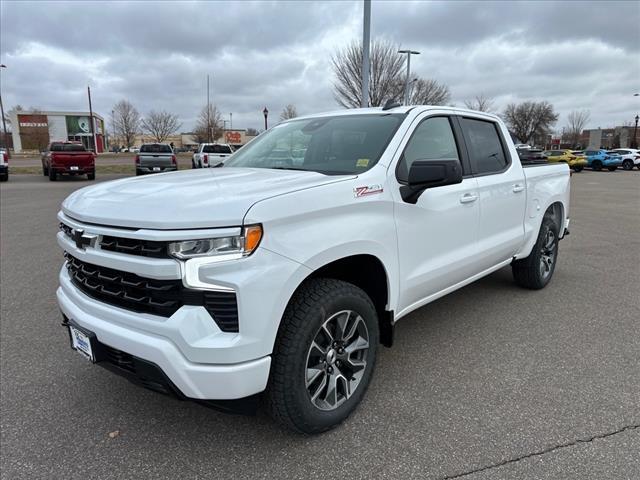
[[210, 155], [281, 280]]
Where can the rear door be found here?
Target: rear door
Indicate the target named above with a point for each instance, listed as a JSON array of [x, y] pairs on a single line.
[[437, 234], [502, 190]]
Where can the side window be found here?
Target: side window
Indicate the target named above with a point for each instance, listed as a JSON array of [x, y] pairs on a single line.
[[484, 145], [431, 140]]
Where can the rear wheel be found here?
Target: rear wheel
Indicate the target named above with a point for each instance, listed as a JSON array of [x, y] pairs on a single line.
[[577, 168], [324, 356], [612, 168], [52, 174], [627, 164], [536, 270], [596, 165]]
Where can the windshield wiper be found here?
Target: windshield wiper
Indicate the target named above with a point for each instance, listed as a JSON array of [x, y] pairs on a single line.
[[292, 168]]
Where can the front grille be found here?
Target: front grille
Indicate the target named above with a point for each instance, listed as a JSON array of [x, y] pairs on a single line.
[[159, 297], [132, 246], [68, 231]]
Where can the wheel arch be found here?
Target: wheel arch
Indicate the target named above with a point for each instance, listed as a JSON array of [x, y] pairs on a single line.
[[367, 272]]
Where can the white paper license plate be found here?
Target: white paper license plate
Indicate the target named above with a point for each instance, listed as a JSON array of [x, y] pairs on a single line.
[[81, 343], [74, 168], [156, 169]]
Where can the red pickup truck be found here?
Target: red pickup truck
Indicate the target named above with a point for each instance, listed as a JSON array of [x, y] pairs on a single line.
[[68, 157]]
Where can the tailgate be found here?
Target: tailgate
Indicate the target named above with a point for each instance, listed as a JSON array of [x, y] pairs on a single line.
[[68, 159], [155, 159]]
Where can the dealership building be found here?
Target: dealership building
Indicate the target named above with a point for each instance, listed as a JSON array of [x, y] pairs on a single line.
[[35, 130]]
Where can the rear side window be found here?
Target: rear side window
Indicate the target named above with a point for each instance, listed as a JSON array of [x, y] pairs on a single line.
[[433, 139], [216, 149], [155, 148], [484, 145]]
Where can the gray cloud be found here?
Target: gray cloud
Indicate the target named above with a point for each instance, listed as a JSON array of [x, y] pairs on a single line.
[[577, 55]]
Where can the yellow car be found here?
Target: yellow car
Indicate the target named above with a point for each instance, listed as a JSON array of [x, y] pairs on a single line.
[[575, 161]]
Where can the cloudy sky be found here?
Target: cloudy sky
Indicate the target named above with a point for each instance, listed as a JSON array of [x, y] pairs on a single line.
[[576, 55]]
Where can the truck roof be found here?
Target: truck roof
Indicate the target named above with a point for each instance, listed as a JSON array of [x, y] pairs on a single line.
[[400, 109]]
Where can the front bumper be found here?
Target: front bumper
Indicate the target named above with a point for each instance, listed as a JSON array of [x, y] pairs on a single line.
[[193, 380]]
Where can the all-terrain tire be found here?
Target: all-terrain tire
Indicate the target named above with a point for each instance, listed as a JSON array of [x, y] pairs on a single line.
[[535, 271], [288, 398]]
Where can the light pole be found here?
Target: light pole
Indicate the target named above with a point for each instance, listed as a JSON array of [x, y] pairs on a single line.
[[635, 132], [366, 43], [231, 121], [265, 112], [4, 123], [406, 83]]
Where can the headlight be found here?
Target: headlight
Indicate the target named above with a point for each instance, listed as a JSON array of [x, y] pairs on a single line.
[[243, 244]]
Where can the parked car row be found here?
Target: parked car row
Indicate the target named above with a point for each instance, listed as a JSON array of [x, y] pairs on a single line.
[[577, 160]]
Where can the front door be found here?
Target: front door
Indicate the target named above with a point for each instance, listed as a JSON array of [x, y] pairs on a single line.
[[437, 234]]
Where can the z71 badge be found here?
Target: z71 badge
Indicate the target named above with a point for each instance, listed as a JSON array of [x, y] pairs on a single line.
[[367, 190]]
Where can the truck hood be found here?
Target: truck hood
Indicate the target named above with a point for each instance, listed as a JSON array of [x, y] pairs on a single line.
[[202, 198]]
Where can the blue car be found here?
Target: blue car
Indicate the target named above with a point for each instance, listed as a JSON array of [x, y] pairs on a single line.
[[597, 159]]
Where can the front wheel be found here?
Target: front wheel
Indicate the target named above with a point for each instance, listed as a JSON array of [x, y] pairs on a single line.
[[91, 176], [627, 164], [52, 174], [535, 271], [324, 356], [612, 168]]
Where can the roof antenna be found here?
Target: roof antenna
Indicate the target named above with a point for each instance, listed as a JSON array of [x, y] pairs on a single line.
[[391, 103]]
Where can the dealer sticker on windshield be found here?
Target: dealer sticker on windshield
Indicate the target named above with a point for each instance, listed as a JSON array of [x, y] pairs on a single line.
[[367, 190]]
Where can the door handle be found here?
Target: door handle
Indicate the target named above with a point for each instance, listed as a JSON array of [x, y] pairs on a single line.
[[468, 198], [518, 188]]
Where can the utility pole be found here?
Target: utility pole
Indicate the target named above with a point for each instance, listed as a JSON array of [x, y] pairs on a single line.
[[231, 121], [366, 43], [406, 83], [93, 127], [4, 123]]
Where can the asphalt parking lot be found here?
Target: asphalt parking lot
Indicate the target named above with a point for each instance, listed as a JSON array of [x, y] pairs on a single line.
[[489, 382]]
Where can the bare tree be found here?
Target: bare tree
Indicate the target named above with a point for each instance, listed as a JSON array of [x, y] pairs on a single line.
[[252, 132], [288, 112], [160, 125], [427, 91], [209, 125], [576, 121], [481, 103], [386, 69], [126, 121], [530, 120]]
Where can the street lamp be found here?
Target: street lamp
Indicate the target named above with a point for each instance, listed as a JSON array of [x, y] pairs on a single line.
[[406, 83], [265, 112], [635, 132]]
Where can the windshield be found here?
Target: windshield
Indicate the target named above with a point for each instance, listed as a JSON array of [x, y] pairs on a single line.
[[67, 147], [155, 148], [331, 145]]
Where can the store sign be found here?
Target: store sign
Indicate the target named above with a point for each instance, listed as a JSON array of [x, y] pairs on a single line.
[[78, 126], [233, 137], [32, 121]]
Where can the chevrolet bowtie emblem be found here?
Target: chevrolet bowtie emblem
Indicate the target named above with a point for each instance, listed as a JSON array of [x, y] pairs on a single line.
[[83, 240]]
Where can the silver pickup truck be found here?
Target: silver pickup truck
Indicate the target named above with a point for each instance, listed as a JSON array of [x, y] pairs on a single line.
[[154, 158]]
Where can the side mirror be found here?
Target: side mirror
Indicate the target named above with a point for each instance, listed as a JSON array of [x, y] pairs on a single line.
[[425, 174]]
